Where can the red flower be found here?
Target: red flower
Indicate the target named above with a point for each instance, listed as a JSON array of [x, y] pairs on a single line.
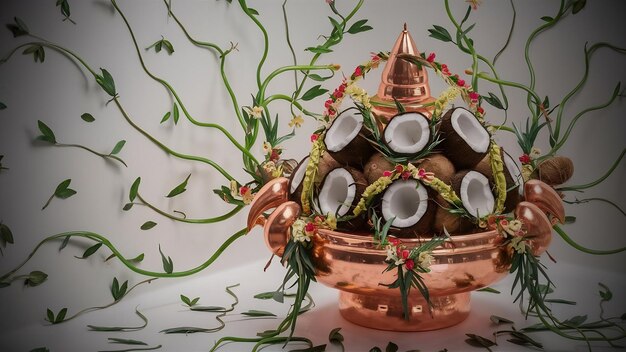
[[480, 110], [410, 264], [387, 173], [337, 94], [444, 69], [328, 103], [314, 137], [406, 175], [524, 159], [474, 96], [394, 241], [405, 254], [460, 82], [399, 168], [357, 72], [275, 155], [342, 87], [244, 190], [431, 57], [375, 57], [310, 227]]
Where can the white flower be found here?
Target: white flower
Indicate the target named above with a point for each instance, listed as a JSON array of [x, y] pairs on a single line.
[[518, 244], [535, 153], [425, 260], [391, 254], [256, 112], [297, 231], [267, 147], [515, 225]]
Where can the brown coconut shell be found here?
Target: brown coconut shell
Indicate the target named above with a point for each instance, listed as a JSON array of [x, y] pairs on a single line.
[[422, 227], [376, 166], [359, 181], [356, 152], [296, 194], [456, 148], [453, 223], [458, 179], [438, 164], [555, 170], [513, 196], [326, 164]]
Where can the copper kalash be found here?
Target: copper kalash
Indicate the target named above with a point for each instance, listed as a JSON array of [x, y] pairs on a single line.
[[354, 264]]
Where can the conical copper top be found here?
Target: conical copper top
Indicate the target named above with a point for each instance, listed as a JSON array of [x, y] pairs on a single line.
[[402, 79]]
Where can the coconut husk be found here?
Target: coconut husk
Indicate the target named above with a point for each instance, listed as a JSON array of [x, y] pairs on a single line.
[[296, 194], [438, 164], [375, 167], [456, 148], [359, 181], [356, 152], [453, 223], [555, 170]]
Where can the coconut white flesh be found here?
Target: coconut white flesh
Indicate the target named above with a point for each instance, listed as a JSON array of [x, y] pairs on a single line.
[[337, 192], [470, 130], [343, 130], [512, 167], [407, 133], [476, 194], [407, 201], [298, 175]]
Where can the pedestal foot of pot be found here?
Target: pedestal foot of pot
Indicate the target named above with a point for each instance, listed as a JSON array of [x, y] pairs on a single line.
[[386, 313]]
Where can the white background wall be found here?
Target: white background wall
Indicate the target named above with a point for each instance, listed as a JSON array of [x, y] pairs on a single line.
[[57, 92]]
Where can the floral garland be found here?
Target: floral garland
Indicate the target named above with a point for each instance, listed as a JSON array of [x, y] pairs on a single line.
[[497, 168]]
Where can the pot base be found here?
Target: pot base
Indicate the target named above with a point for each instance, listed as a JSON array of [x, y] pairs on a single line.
[[386, 313]]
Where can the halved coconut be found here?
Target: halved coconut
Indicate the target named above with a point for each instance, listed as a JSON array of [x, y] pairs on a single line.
[[407, 203], [345, 140], [465, 139], [475, 192], [296, 179], [407, 133], [340, 191], [376, 166], [453, 223], [326, 164], [438, 164], [512, 176]]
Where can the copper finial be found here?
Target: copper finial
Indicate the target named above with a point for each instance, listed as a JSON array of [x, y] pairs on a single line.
[[403, 80]]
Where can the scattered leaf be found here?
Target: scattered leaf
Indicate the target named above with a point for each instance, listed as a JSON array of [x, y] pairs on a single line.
[[313, 93], [335, 336], [605, 292], [391, 347], [440, 33], [66, 240], [121, 328], [118, 291], [168, 264], [128, 206], [59, 317], [559, 301], [91, 250], [87, 117], [166, 116], [126, 341], [189, 302], [493, 100], [35, 278], [118, 147], [148, 225], [2, 106], [479, 341], [179, 189], [6, 236], [38, 52], [46, 133], [207, 309], [175, 114], [65, 10], [575, 321], [500, 320], [570, 219], [258, 313], [134, 189], [318, 348], [265, 295], [578, 6], [18, 28], [318, 50], [359, 26], [547, 18], [105, 80], [162, 44], [185, 330]]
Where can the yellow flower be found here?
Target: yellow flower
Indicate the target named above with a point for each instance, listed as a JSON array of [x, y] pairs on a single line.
[[445, 98], [515, 225], [256, 112], [527, 171], [474, 3], [297, 231], [518, 244], [331, 221], [277, 172], [425, 260], [296, 121]]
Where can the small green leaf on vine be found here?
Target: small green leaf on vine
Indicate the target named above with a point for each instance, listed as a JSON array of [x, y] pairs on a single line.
[[121, 328], [189, 302], [440, 33], [519, 338], [62, 191], [128, 206], [359, 26], [162, 44], [578, 6], [313, 93], [105, 80], [137, 259], [134, 189], [46, 133], [605, 292], [179, 189], [148, 225], [2, 106], [547, 18], [319, 50], [118, 147], [66, 240], [479, 341], [166, 116], [90, 251], [37, 51], [493, 100], [175, 114], [6, 236], [207, 309], [55, 319], [65, 10], [335, 337], [126, 341], [168, 264], [87, 117], [258, 313], [35, 278], [118, 291], [18, 28]]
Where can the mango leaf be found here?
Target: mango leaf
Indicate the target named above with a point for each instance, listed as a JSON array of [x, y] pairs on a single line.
[[207, 309], [179, 189], [87, 117], [46, 133], [313, 93], [118, 147], [134, 189], [38, 52], [35, 278], [258, 313], [358, 27], [168, 264], [440, 33], [176, 114], [494, 101], [166, 116], [91, 250], [126, 341], [18, 28], [148, 225], [105, 80]]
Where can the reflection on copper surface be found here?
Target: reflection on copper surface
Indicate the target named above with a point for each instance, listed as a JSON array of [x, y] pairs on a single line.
[[544, 197], [277, 232], [538, 227], [271, 195]]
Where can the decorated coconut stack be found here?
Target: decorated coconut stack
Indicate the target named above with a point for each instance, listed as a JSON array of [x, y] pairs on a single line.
[[402, 157]]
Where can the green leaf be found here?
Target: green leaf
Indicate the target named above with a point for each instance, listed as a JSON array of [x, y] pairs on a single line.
[[318, 348], [38, 52], [319, 50], [121, 328], [66, 193], [313, 93], [358, 27], [176, 114], [148, 225], [134, 189], [479, 341], [575, 321], [440, 33], [605, 292], [375, 349], [570, 219], [50, 315], [335, 336], [258, 313], [87, 117], [61, 316], [265, 295], [62, 186], [168, 46], [179, 189], [547, 18], [2, 106], [36, 278], [18, 28], [185, 330], [46, 133], [106, 82], [559, 301], [66, 240], [6, 235], [207, 309], [168, 264], [65, 9], [128, 206], [500, 320], [399, 105], [185, 300], [126, 341], [91, 250], [253, 11], [391, 347], [578, 6], [118, 147], [494, 101], [166, 116], [317, 77]]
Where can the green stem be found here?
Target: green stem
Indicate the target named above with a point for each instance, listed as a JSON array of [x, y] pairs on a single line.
[[572, 243], [596, 182], [469, 44], [245, 9], [307, 68], [105, 156], [293, 102], [173, 92], [167, 149], [223, 217], [510, 84]]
